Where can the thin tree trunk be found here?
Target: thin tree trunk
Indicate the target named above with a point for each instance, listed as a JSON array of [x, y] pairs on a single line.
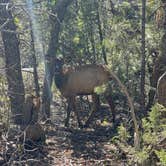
[[12, 62], [143, 60], [35, 74], [59, 11], [101, 35], [92, 40]]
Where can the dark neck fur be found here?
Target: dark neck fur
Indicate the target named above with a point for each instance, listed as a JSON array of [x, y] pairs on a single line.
[[59, 79]]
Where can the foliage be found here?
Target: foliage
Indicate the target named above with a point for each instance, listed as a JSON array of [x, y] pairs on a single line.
[[122, 134], [154, 129], [141, 156], [100, 89], [155, 125], [153, 134], [162, 156]]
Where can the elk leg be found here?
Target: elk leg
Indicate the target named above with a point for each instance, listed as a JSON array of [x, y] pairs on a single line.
[[76, 112], [96, 106], [96, 101], [69, 108], [112, 107]]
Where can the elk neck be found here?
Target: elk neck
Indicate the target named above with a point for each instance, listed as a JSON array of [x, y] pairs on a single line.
[[59, 79]]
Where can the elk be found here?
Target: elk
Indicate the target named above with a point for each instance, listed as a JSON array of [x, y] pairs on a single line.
[[80, 80], [161, 90]]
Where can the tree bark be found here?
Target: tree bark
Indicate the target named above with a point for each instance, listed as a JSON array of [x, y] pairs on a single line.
[[35, 73], [59, 12], [143, 59], [92, 40], [12, 62], [101, 35]]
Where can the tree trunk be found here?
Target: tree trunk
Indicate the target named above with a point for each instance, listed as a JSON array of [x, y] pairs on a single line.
[[34, 64], [59, 11], [101, 35], [12, 62], [143, 60], [92, 40]]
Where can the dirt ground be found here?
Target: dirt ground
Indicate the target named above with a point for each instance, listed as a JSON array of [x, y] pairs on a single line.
[[68, 146]]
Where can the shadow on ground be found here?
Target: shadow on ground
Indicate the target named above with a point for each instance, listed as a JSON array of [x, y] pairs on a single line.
[[82, 145]]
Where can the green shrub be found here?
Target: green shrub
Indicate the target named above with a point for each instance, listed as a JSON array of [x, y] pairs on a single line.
[[162, 156]]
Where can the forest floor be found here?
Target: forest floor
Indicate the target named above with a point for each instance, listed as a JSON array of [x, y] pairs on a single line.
[[68, 146]]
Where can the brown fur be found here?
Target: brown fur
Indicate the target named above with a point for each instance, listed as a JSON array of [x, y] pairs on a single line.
[[161, 90], [80, 80], [84, 79]]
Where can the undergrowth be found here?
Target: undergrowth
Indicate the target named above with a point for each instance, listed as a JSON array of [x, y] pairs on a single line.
[[153, 145]]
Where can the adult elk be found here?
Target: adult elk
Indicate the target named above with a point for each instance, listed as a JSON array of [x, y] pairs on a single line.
[[80, 80], [161, 90]]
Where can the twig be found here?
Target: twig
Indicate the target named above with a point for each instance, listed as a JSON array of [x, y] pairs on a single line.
[[124, 89]]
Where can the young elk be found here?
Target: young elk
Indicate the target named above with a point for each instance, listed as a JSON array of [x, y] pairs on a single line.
[[81, 80]]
